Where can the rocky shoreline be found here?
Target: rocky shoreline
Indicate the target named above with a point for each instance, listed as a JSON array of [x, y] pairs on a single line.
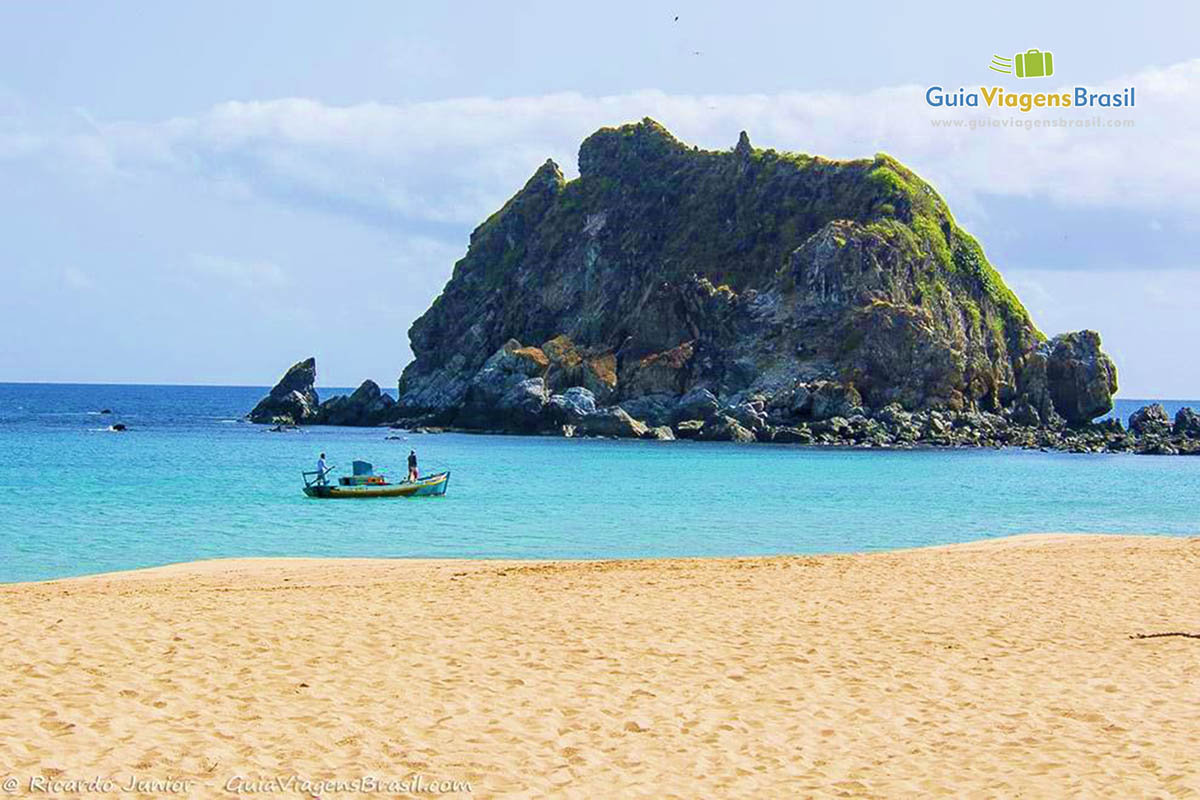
[[924, 430], [743, 295], [825, 414]]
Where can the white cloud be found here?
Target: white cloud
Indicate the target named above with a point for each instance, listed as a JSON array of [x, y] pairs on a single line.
[[1145, 318], [420, 175], [455, 161]]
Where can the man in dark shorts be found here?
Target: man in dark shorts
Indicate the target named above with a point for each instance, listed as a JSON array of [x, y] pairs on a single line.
[[413, 474]]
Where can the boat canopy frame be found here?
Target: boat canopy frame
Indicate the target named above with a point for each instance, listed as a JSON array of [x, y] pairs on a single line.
[[318, 476]]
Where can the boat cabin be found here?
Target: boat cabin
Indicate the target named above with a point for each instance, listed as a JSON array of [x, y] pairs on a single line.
[[363, 474]]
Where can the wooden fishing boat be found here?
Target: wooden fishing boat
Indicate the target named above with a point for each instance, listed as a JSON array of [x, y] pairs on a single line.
[[365, 483]]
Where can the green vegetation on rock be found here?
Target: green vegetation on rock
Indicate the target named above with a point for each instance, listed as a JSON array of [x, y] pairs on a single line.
[[766, 268]]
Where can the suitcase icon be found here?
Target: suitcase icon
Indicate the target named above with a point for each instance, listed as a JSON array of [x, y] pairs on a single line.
[[1034, 64]]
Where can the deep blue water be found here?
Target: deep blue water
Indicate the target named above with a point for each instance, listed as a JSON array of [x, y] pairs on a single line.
[[189, 480]]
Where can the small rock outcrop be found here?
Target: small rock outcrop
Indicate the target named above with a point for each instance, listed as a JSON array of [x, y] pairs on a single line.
[[614, 422], [725, 429], [573, 406], [293, 401], [366, 405], [661, 433], [1080, 377], [1150, 420], [699, 404], [1187, 423]]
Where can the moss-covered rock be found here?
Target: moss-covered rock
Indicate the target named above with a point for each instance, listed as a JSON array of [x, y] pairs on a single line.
[[568, 365]]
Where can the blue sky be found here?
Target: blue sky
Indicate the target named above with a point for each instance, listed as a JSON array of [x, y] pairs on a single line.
[[206, 193]]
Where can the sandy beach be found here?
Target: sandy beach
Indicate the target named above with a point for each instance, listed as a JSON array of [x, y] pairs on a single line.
[[996, 669]]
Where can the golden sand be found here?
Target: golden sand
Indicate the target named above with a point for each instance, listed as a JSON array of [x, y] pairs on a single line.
[[997, 669]]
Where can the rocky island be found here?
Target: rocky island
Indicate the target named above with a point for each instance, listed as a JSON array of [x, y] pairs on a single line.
[[741, 295], [294, 401]]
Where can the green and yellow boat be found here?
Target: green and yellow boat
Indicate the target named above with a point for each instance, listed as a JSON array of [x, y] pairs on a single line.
[[364, 483]]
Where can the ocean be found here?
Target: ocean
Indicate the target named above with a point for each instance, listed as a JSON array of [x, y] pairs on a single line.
[[190, 480]]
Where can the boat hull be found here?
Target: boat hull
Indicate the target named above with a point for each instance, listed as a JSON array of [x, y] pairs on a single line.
[[433, 486]]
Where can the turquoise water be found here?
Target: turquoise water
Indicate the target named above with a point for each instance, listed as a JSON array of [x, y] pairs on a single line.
[[190, 481]]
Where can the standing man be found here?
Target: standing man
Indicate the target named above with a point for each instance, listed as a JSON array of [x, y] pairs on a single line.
[[321, 470], [413, 474]]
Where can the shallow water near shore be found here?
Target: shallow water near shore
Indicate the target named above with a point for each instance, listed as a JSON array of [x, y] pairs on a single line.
[[189, 481]]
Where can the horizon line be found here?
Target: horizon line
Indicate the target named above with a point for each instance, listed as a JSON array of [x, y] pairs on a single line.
[[173, 384], [268, 387]]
